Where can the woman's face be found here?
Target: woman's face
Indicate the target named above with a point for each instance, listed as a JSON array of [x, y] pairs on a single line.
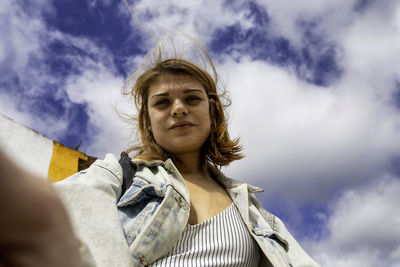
[[179, 113]]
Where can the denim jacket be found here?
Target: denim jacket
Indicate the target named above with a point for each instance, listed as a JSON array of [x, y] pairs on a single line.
[[144, 223]]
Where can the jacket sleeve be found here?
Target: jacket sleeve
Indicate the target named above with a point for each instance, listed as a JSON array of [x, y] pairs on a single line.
[[298, 257], [90, 197]]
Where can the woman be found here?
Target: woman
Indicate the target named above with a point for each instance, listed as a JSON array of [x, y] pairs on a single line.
[[174, 205]]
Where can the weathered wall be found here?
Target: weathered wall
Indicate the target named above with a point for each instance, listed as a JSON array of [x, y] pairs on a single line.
[[37, 153]]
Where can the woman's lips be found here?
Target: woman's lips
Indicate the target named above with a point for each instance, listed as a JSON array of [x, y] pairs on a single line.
[[182, 125]]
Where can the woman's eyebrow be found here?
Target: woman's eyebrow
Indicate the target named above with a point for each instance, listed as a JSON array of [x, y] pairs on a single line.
[[160, 94], [186, 91]]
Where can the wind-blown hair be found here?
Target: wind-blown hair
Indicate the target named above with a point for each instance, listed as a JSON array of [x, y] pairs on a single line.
[[219, 149]]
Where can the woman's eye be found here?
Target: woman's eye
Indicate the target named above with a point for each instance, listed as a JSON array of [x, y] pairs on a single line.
[[193, 99], [162, 102]]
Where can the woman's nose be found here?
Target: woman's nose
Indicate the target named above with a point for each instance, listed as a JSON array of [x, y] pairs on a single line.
[[179, 109]]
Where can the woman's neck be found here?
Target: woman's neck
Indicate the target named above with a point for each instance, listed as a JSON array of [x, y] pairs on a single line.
[[190, 163]]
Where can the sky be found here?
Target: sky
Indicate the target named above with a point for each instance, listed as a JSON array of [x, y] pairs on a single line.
[[315, 90]]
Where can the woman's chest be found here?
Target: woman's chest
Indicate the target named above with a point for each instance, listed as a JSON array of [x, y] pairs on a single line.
[[206, 202]]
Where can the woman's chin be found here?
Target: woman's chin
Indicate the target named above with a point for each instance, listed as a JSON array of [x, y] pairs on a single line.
[[183, 149]]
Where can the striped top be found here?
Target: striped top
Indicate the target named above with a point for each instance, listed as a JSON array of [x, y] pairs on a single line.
[[222, 240]]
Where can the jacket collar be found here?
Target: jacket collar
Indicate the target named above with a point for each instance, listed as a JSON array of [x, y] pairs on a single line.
[[216, 173], [229, 182]]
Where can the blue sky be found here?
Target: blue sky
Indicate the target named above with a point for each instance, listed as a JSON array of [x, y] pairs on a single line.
[[315, 92]]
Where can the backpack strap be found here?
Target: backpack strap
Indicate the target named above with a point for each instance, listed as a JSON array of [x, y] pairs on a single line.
[[128, 171]]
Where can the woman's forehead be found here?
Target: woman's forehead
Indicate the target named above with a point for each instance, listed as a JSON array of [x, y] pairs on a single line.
[[174, 82]]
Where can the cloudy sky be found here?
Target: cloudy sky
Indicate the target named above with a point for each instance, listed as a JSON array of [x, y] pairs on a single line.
[[315, 89]]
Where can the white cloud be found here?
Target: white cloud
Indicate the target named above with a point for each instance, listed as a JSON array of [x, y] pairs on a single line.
[[100, 89], [370, 38], [9, 107], [304, 141], [20, 36], [198, 19], [363, 229], [330, 17], [372, 51], [98, 85], [308, 142]]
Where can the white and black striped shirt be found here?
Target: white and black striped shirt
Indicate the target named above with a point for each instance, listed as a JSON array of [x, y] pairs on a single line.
[[222, 240]]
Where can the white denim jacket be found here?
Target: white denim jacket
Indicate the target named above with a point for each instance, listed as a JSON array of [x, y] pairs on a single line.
[[143, 224]]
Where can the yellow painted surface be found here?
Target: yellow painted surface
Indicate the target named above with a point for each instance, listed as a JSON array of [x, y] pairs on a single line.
[[64, 162]]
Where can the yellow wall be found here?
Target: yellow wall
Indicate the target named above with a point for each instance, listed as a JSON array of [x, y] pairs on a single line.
[[64, 162]]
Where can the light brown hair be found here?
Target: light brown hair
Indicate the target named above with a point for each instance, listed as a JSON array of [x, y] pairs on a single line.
[[219, 149]]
